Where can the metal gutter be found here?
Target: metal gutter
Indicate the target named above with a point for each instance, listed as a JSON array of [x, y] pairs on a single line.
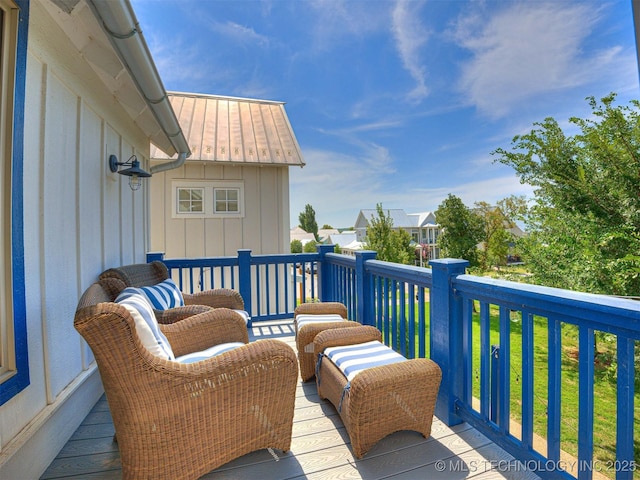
[[123, 30]]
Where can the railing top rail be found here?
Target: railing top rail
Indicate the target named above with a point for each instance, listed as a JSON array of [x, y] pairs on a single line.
[[403, 273], [200, 262], [340, 259], [602, 312], [284, 258]]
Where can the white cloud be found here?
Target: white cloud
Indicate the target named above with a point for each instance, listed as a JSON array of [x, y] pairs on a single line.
[[410, 36], [528, 49], [338, 186]]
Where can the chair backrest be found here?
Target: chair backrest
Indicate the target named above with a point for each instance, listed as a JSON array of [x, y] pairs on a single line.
[[109, 329], [138, 274], [105, 290]]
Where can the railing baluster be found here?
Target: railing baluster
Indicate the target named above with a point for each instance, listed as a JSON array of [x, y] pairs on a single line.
[[485, 358], [625, 408], [422, 327], [504, 395], [554, 390], [412, 320], [467, 350], [585, 401], [527, 379]]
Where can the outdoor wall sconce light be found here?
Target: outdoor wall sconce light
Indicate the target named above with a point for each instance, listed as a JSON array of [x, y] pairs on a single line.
[[134, 172]]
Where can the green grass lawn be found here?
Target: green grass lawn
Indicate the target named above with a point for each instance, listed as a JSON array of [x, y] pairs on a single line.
[[604, 388]]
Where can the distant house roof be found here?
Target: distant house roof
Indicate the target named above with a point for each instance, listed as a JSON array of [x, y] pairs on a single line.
[[235, 130], [325, 233], [342, 239], [398, 216], [299, 234], [424, 219]]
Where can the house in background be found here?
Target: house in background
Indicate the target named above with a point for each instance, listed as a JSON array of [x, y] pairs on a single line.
[[233, 191], [299, 234], [347, 241], [421, 226], [78, 86], [325, 233]]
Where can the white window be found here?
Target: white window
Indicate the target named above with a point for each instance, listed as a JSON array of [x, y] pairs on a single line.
[[226, 200], [190, 200], [208, 199]]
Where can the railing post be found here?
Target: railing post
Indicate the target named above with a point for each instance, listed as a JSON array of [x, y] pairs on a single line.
[[364, 292], [324, 274], [495, 383], [153, 256], [244, 278], [446, 335]]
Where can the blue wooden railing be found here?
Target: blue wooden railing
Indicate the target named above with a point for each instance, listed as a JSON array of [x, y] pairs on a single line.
[[444, 314]]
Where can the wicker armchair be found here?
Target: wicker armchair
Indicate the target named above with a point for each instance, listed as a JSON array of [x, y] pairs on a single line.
[[179, 421], [147, 274]]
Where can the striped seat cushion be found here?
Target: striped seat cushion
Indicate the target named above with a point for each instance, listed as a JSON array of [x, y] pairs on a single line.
[[353, 359], [164, 295], [305, 319]]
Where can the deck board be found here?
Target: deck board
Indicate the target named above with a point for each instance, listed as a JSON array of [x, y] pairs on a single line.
[[320, 448]]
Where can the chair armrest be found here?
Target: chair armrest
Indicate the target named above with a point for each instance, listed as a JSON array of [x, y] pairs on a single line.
[[216, 298], [199, 332], [173, 315], [345, 336]]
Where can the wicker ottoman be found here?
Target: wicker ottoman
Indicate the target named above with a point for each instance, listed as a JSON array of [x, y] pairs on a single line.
[[379, 400], [315, 318]]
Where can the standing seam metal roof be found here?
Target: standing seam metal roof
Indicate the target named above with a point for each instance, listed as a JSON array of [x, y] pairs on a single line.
[[235, 130]]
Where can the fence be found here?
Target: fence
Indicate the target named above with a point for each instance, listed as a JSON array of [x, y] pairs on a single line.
[[486, 336]]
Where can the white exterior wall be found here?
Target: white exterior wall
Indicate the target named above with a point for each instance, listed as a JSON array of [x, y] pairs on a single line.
[[79, 218], [264, 229]]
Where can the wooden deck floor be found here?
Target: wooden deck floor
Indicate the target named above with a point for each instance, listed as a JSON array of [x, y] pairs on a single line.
[[320, 447]]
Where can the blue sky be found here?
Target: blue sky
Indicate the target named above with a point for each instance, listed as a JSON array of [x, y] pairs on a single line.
[[399, 102]]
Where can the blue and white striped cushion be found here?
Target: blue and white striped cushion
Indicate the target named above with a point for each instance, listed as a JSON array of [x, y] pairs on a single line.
[[145, 322], [353, 359], [164, 295], [208, 353], [305, 319]]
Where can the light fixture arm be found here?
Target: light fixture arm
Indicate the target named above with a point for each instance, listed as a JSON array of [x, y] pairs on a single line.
[[134, 172]]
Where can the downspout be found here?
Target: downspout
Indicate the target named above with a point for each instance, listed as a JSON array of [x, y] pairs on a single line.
[[123, 30]]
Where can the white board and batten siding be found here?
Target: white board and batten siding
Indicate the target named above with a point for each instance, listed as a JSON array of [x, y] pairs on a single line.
[[79, 218]]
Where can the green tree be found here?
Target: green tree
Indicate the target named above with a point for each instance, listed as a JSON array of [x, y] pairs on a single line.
[[310, 247], [391, 245], [327, 227], [461, 230], [307, 220], [296, 246], [498, 220], [584, 225]]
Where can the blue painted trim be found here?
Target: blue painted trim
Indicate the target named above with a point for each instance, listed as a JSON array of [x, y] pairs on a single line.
[[527, 379], [20, 380], [586, 372]]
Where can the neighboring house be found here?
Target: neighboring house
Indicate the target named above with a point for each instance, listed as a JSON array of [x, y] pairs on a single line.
[[299, 234], [325, 233], [68, 102], [233, 191], [347, 241], [421, 226]]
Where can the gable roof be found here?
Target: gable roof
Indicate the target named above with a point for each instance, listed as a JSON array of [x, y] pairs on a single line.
[[235, 130], [424, 218], [398, 216]]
